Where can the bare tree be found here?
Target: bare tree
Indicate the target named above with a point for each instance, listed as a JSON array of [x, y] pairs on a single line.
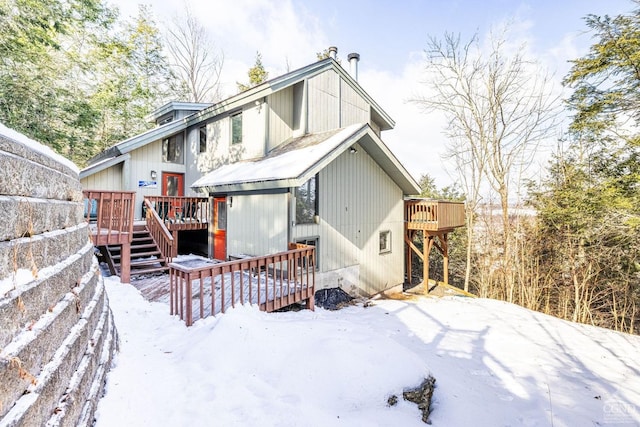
[[499, 107], [195, 59]]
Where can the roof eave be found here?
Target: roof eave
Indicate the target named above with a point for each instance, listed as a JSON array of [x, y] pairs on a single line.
[[106, 164]]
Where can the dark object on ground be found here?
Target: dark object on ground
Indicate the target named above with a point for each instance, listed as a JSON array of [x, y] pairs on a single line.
[[392, 400], [332, 298], [421, 396]]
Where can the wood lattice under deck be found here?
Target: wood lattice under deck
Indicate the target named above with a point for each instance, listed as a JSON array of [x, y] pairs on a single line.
[[435, 219]]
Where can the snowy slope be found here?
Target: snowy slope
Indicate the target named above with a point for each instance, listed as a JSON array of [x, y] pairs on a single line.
[[496, 364]]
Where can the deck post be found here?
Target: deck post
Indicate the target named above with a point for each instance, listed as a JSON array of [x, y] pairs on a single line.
[[426, 249], [125, 263], [409, 254], [445, 261]]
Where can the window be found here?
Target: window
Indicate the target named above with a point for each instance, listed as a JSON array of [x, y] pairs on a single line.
[[172, 149], [221, 217], [385, 241], [307, 201], [236, 128], [203, 139], [312, 241]]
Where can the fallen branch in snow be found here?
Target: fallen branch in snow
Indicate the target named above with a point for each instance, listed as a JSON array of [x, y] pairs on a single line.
[[420, 395]]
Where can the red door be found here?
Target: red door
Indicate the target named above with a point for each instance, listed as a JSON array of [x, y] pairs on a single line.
[[220, 228], [173, 185]]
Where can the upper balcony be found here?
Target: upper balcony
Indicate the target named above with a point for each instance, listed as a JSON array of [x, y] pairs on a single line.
[[433, 215]]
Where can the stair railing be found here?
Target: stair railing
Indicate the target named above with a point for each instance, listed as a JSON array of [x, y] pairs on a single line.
[[160, 233]]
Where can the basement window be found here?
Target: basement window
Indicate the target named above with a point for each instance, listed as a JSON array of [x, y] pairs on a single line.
[[312, 241], [385, 242]]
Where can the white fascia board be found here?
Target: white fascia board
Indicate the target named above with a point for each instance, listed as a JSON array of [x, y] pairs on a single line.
[[105, 164], [249, 186], [151, 135], [377, 149]]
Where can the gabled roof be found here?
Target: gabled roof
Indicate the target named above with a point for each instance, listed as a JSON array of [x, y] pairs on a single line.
[[251, 95], [293, 163], [278, 83]]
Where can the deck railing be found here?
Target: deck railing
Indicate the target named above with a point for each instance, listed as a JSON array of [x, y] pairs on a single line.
[[433, 215], [159, 233], [271, 282], [181, 213], [110, 215]]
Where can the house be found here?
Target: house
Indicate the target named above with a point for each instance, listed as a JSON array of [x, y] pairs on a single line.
[[299, 158]]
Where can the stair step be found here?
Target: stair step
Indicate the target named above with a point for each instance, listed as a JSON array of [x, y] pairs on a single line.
[[149, 270], [141, 239], [146, 245], [135, 255], [138, 262]]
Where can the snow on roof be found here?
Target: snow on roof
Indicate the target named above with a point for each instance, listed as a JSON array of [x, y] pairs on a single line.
[[289, 161], [36, 146]]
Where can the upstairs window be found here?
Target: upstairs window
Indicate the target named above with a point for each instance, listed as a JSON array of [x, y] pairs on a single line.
[[172, 149], [236, 128], [203, 139], [307, 201]]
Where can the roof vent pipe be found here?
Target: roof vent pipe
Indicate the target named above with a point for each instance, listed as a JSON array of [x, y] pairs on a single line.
[[333, 52], [353, 65]]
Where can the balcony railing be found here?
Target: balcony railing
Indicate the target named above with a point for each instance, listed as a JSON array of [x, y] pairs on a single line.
[[433, 215], [271, 282]]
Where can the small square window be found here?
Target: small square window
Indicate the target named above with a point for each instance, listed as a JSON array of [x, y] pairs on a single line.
[[236, 128], [385, 241], [203, 139]]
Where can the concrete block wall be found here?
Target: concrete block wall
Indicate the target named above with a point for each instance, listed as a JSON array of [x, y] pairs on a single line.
[[57, 335]]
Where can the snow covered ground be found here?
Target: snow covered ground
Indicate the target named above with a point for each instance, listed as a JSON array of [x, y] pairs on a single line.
[[495, 364]]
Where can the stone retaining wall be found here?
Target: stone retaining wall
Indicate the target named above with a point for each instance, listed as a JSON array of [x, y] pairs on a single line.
[[57, 335]]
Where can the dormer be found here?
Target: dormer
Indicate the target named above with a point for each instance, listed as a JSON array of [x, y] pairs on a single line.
[[173, 111]]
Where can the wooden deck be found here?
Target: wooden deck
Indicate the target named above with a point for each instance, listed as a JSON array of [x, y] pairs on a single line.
[[198, 287], [271, 282], [433, 220]]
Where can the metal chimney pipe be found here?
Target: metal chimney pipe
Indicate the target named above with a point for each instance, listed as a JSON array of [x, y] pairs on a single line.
[[353, 64], [333, 52]]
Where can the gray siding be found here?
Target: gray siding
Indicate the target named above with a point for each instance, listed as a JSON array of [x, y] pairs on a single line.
[[220, 151], [257, 224], [353, 108], [143, 161], [108, 179], [324, 105], [280, 117], [357, 201]]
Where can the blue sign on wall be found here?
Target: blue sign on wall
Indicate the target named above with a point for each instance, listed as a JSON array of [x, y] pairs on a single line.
[[148, 184]]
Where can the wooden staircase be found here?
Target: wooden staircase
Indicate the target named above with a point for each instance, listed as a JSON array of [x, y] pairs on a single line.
[[146, 257]]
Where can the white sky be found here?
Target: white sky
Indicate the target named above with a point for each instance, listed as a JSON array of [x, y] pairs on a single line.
[[390, 37]]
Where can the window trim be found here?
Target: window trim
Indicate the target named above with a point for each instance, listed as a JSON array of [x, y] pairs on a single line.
[[177, 141], [316, 239], [232, 118], [202, 133], [387, 249], [315, 201]]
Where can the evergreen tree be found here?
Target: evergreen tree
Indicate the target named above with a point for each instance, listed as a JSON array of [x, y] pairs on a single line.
[[257, 74]]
